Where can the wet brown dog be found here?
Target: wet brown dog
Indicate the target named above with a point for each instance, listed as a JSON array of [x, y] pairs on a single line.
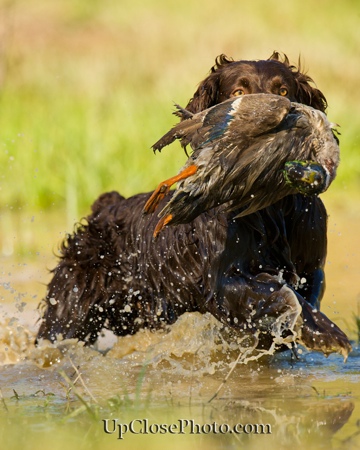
[[261, 274]]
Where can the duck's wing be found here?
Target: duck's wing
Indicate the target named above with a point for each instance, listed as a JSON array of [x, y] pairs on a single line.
[[236, 118], [183, 130]]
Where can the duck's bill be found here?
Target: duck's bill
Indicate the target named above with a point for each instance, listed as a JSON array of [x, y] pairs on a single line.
[[307, 177]]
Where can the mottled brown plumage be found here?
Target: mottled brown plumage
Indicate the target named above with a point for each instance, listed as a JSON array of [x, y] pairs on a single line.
[[240, 150], [245, 271]]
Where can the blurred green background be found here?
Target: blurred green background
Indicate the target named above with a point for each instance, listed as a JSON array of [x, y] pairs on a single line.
[[87, 86]]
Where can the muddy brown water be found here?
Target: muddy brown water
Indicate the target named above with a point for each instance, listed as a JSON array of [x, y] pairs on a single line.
[[153, 389]]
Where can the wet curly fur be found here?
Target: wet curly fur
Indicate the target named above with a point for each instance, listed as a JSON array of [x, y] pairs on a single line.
[[111, 273]]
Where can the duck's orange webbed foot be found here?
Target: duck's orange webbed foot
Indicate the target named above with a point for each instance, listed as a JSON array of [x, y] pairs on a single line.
[[164, 187], [161, 224], [157, 196]]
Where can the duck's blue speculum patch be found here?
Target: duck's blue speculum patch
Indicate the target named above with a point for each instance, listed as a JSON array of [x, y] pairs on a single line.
[[220, 119]]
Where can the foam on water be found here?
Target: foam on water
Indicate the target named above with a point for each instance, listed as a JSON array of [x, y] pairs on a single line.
[[185, 364], [195, 343]]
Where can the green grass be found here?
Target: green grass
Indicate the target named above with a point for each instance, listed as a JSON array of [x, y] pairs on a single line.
[[73, 420], [88, 87]]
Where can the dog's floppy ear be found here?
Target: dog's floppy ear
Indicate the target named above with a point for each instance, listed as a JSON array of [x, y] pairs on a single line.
[[309, 95], [208, 90], [206, 94], [305, 93]]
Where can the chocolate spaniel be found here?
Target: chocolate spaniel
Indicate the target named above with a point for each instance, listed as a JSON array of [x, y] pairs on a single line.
[[262, 274]]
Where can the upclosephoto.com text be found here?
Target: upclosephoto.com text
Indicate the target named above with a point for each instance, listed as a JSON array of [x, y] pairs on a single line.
[[181, 426]]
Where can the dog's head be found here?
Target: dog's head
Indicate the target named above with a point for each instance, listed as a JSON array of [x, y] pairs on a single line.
[[229, 78]]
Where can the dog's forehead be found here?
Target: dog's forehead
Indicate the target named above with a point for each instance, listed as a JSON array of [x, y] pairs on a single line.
[[257, 69]]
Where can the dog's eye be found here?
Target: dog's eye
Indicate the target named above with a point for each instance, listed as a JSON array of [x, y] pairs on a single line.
[[283, 92], [238, 92]]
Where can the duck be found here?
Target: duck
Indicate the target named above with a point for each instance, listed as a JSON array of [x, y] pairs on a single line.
[[247, 153]]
